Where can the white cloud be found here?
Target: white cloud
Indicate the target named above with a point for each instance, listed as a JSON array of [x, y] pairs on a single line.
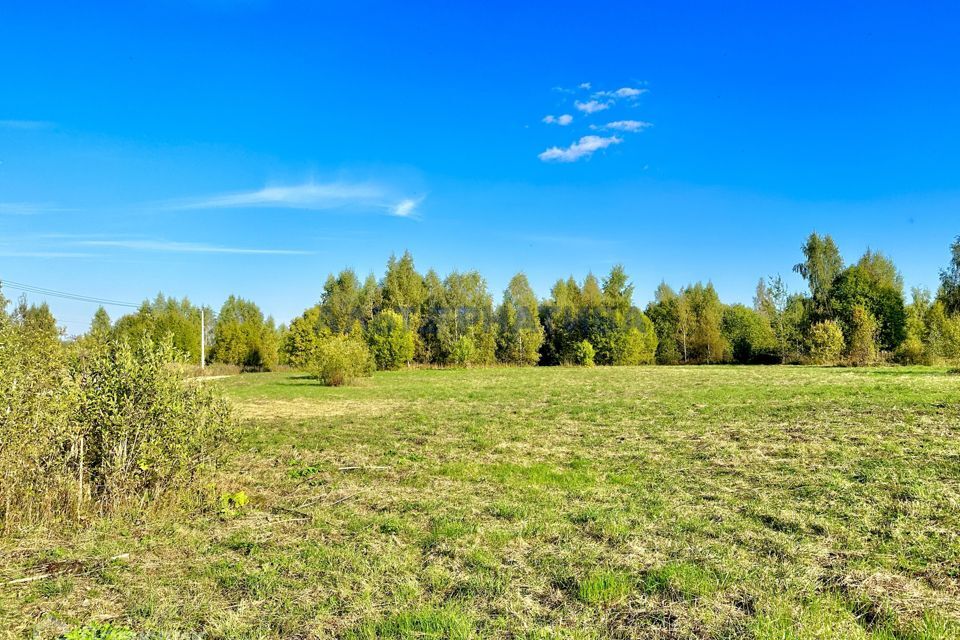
[[406, 208], [582, 148], [592, 106], [311, 196], [622, 92], [562, 120], [183, 247], [629, 92], [630, 126], [585, 85]]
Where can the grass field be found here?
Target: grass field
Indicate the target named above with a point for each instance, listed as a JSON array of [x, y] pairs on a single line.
[[695, 502]]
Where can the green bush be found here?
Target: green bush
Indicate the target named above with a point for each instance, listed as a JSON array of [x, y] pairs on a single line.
[[464, 352], [98, 425], [340, 359], [826, 342], [142, 428], [583, 353], [391, 343], [863, 337]]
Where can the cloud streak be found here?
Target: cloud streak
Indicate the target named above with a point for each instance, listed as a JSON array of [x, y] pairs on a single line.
[[312, 196], [622, 92], [629, 126], [582, 148]]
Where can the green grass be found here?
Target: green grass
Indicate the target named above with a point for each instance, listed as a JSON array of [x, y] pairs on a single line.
[[697, 502]]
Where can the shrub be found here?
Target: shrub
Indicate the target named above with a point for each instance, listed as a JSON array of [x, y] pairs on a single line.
[[863, 337], [36, 426], [142, 429], [99, 426], [583, 353], [826, 342], [391, 343], [913, 351], [340, 359], [464, 352]]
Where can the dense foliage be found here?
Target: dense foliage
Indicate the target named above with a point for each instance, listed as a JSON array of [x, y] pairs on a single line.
[[97, 422], [852, 314]]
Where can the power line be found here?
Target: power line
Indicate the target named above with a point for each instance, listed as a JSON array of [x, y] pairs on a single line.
[[29, 288]]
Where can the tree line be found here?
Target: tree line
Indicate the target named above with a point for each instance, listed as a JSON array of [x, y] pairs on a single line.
[[854, 314]]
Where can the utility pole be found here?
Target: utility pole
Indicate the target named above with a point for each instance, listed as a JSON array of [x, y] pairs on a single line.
[[203, 342]]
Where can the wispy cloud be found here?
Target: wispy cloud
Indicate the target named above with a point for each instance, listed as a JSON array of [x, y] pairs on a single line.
[[562, 120], [44, 254], [582, 148], [184, 247], [591, 106], [312, 196], [622, 92], [585, 85], [25, 125], [406, 208], [28, 208], [630, 126]]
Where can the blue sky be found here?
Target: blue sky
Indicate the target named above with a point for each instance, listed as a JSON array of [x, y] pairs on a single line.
[[212, 147]]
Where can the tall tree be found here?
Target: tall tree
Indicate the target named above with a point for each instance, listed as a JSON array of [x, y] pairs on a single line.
[[822, 264], [664, 313], [771, 302], [340, 305], [243, 337], [950, 280], [873, 283], [519, 332], [100, 325]]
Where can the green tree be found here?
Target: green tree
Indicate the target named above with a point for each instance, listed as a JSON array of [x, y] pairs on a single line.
[[950, 281], [826, 342], [863, 337], [664, 314], [243, 337], [771, 301], [749, 334], [467, 312], [341, 305], [583, 354], [391, 343], [822, 264], [874, 284], [100, 327], [703, 318], [163, 317], [519, 332], [302, 338], [914, 349]]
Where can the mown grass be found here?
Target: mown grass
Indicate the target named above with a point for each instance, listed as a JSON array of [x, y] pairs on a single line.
[[697, 502]]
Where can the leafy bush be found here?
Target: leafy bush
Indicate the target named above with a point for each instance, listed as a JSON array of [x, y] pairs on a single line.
[[36, 421], [106, 424], [142, 429], [583, 353], [464, 351], [391, 343], [863, 337], [826, 342], [340, 359]]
